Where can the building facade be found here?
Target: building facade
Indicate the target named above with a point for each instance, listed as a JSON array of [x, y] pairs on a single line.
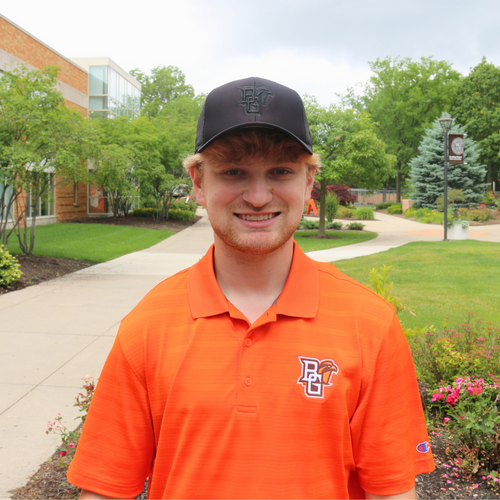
[[97, 87]]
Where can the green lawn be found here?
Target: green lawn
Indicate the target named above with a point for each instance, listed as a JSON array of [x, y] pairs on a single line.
[[91, 242], [341, 239], [439, 279]]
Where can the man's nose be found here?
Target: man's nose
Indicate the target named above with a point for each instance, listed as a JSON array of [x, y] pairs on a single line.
[[258, 192]]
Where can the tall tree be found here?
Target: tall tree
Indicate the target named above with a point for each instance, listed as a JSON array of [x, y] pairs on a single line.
[[477, 106], [164, 85], [350, 150], [404, 97], [427, 169], [40, 138]]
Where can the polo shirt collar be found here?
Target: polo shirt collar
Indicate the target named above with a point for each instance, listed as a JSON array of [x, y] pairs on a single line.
[[299, 298]]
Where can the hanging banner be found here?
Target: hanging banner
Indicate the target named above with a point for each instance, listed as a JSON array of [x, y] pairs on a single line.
[[456, 148]]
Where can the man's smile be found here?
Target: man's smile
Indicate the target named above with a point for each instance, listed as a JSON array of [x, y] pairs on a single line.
[[257, 217]]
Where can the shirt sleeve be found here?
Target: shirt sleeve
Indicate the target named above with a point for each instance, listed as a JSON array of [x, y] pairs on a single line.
[[116, 449], [388, 428]]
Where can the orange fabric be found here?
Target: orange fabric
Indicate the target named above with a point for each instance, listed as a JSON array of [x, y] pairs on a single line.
[[314, 400]]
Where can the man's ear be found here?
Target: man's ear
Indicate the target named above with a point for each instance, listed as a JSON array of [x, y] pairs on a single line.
[[196, 178], [309, 184]]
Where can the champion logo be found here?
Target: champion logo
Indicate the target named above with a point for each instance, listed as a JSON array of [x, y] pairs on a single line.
[[423, 447], [253, 99], [316, 375]]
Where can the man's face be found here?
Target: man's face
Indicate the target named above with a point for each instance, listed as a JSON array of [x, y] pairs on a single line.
[[254, 207]]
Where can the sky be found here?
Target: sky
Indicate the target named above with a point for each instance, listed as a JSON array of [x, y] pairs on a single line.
[[317, 47]]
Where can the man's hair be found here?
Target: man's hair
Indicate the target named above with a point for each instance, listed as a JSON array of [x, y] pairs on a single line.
[[257, 143]]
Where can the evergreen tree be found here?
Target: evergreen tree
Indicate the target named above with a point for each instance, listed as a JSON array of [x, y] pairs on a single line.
[[427, 169]]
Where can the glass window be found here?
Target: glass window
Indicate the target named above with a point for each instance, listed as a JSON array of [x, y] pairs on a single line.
[[98, 114], [7, 190], [45, 205], [112, 83], [98, 80], [98, 102]]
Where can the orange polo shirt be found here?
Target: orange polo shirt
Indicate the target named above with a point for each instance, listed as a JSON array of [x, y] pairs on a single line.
[[315, 399]]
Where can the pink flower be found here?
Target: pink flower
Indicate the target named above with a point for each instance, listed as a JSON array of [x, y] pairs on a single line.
[[482, 339], [62, 453], [447, 466], [71, 445], [476, 486], [448, 481], [495, 479], [437, 396], [446, 420]]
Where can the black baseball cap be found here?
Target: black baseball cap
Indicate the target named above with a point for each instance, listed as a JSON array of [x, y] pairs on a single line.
[[253, 102]]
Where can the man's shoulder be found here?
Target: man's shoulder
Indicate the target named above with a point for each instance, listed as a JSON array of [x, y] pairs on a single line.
[[337, 285]]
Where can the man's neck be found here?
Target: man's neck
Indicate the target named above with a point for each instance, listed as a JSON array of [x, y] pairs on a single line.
[[252, 282]]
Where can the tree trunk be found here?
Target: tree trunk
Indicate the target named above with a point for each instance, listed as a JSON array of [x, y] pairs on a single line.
[[398, 182], [322, 207]]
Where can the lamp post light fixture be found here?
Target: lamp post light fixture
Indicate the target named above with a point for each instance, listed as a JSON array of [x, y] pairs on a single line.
[[446, 125]]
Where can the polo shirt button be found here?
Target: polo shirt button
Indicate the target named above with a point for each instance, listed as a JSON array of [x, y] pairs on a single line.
[[248, 342], [248, 381]]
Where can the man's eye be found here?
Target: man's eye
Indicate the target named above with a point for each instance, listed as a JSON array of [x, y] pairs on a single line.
[[233, 171], [281, 171]]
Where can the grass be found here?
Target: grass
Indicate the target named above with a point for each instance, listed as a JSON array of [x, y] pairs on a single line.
[[91, 242], [438, 279], [342, 238]]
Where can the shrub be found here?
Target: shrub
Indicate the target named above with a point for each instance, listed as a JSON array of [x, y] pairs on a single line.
[[337, 226], [355, 226], [410, 212], [143, 212], [341, 191], [10, 270], [364, 213], [472, 349], [480, 215], [70, 438], [308, 224], [176, 214], [344, 213], [378, 283], [397, 208], [473, 421], [384, 205], [331, 206], [189, 206]]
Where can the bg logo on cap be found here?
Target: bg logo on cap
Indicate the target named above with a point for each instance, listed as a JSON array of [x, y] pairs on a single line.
[[253, 99]]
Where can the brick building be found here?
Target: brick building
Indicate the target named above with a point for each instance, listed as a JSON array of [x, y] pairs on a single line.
[[18, 47]]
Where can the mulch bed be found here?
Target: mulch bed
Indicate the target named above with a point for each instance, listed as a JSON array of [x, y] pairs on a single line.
[[50, 480]]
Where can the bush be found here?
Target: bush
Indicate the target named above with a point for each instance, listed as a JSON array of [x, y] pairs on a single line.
[[10, 270], [344, 213], [331, 206], [143, 212], [176, 214], [472, 349], [337, 226], [473, 421], [355, 226], [378, 283], [384, 205], [396, 208], [309, 224], [341, 191], [480, 215], [364, 213], [189, 206]]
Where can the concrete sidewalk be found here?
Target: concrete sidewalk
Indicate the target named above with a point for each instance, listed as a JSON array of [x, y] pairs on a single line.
[[55, 333]]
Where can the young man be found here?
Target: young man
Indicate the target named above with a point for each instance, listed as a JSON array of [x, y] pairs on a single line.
[[256, 373]]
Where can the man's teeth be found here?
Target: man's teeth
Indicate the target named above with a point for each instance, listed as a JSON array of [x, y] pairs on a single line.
[[256, 217]]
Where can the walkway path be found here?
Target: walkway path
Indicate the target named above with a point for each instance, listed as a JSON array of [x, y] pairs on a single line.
[[53, 334]]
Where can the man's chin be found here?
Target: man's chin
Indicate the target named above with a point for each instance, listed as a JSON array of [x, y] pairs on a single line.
[[255, 246]]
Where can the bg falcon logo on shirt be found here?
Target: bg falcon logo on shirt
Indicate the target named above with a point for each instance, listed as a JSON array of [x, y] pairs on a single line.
[[316, 375]]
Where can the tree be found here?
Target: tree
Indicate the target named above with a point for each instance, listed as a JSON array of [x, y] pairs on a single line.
[[477, 106], [427, 169], [350, 150], [41, 139], [403, 98], [164, 85]]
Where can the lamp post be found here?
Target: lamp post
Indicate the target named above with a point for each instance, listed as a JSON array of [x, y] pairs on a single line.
[[446, 125]]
